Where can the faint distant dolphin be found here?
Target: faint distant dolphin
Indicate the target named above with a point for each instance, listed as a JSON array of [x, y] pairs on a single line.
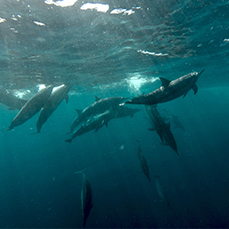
[[169, 90], [175, 120], [10, 100], [86, 197], [161, 128], [93, 123], [123, 111], [31, 107], [98, 107], [160, 191], [144, 165], [52, 103]]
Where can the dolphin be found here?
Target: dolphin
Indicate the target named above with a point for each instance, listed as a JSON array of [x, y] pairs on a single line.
[[31, 107], [144, 165], [123, 111], [98, 107], [160, 191], [169, 90], [86, 197], [57, 96], [94, 123], [174, 119], [11, 101], [161, 128]]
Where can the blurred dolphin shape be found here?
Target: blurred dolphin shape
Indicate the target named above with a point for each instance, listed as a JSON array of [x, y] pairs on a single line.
[[174, 119], [86, 197], [169, 90], [13, 102], [143, 162], [160, 191], [161, 128]]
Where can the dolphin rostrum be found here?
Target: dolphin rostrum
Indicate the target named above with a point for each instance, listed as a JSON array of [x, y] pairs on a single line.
[[86, 197], [144, 165], [161, 128], [52, 103], [31, 107], [169, 90]]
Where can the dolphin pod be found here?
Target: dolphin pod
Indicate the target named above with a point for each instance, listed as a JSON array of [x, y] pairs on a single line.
[[169, 90], [31, 107], [161, 128], [98, 107], [93, 123], [86, 197]]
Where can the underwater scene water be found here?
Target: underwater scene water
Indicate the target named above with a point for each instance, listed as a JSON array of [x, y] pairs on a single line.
[[92, 53]]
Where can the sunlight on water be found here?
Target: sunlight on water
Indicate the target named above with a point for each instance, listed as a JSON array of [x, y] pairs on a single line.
[[40, 87], [64, 3], [136, 81], [95, 6]]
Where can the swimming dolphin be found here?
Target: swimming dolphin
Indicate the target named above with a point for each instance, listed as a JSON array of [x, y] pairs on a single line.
[[160, 191], [31, 107], [144, 165], [93, 123], [52, 103], [10, 100], [86, 197], [161, 128], [98, 107], [169, 90]]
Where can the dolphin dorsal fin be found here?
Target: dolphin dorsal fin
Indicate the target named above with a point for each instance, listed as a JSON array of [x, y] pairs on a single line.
[[97, 98], [164, 82]]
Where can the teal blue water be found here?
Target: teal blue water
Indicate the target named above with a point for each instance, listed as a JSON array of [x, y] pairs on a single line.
[[119, 51]]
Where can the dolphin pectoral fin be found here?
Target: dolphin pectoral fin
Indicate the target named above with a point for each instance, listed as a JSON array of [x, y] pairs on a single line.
[[66, 98], [68, 140], [164, 82], [195, 88], [151, 129], [185, 94], [78, 111]]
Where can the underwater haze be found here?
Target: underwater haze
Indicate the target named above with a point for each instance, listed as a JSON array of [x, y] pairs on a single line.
[[112, 48]]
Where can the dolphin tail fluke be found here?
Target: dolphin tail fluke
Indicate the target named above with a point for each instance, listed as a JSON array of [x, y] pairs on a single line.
[[81, 171], [151, 129], [34, 133], [84, 222], [68, 140], [69, 132]]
